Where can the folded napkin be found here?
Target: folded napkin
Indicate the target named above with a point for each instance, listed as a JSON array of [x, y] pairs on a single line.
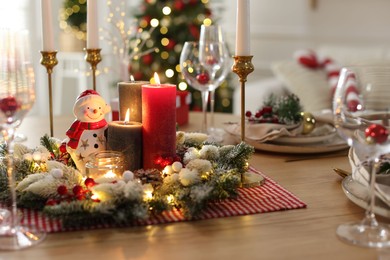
[[268, 132], [265, 131], [361, 175]]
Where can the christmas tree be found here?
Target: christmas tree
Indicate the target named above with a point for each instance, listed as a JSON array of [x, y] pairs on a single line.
[[167, 24], [73, 17]]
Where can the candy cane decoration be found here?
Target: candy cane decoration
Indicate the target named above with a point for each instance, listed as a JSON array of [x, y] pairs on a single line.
[[309, 59]]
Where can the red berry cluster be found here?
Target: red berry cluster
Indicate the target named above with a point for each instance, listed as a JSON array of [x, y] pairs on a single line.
[[78, 193], [263, 115]]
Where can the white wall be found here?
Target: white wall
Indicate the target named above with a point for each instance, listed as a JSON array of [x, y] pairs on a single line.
[[280, 27]]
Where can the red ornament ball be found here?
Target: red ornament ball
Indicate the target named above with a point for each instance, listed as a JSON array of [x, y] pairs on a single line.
[[203, 78], [9, 105], [194, 31], [89, 182], [171, 44], [179, 5], [376, 134], [147, 59], [248, 114], [62, 190]]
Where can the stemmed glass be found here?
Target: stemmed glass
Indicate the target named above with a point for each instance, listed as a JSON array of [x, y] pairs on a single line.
[[204, 67], [17, 96], [212, 33], [361, 109]]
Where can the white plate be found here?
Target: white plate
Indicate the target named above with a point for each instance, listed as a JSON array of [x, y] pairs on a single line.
[[336, 144], [358, 194]]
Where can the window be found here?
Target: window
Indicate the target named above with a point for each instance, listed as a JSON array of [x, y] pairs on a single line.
[[13, 14]]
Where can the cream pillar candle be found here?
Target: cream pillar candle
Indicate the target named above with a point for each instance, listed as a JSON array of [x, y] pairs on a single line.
[[92, 25], [47, 26], [243, 28]]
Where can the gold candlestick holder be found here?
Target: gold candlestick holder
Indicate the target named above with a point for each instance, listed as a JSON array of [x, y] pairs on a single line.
[[49, 60], [93, 57], [242, 67]]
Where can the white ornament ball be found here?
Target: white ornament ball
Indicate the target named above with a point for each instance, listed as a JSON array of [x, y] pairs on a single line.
[[27, 156], [37, 156], [168, 170], [128, 176], [177, 166], [57, 173]]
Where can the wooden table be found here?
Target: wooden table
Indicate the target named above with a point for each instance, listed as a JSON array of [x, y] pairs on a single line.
[[294, 234]]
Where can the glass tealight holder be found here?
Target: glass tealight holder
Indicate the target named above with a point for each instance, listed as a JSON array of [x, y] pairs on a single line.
[[106, 164]]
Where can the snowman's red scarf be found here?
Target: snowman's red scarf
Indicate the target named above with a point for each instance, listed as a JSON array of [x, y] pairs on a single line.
[[77, 128]]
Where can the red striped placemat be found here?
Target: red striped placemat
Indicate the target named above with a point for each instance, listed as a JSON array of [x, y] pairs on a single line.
[[265, 198]]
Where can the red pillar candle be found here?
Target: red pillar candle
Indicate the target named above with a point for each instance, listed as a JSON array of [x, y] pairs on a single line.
[[126, 137], [130, 96], [159, 123]]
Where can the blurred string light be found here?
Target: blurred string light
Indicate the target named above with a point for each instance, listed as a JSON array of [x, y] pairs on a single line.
[[72, 18]]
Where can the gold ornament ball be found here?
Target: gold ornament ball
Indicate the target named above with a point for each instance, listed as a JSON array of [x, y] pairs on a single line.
[[308, 122]]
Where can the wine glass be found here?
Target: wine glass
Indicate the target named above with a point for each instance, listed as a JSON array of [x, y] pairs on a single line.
[[210, 34], [17, 96], [204, 67], [361, 109]]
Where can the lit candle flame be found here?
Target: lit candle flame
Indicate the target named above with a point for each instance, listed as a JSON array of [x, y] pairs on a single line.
[[94, 197], [109, 174], [131, 78], [156, 78], [127, 117]]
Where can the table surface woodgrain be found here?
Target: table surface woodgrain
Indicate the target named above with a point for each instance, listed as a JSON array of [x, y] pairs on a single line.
[[293, 234]]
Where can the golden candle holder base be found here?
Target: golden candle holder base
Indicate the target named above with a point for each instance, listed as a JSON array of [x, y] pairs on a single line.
[[93, 57], [250, 179], [242, 67], [49, 60]]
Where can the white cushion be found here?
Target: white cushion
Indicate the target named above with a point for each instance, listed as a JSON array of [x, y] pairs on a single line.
[[310, 85]]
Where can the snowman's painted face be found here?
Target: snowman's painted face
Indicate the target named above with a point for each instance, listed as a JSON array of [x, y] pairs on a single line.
[[92, 110]]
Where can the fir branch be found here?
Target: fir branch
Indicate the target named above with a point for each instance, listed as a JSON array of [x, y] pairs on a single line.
[[31, 201], [48, 143]]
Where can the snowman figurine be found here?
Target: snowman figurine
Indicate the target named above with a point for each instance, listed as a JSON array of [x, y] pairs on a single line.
[[86, 134]]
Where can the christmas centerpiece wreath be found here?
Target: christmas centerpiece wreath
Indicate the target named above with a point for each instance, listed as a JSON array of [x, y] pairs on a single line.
[[47, 180]]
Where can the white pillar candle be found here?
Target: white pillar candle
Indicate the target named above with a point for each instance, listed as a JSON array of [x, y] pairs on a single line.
[[47, 26], [92, 25], [243, 28]]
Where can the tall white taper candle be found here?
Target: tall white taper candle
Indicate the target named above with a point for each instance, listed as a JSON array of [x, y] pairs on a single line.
[[47, 26], [92, 25], [243, 28]]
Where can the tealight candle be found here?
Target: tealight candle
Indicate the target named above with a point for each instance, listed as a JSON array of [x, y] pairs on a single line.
[[105, 164], [126, 137], [130, 96], [159, 122]]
